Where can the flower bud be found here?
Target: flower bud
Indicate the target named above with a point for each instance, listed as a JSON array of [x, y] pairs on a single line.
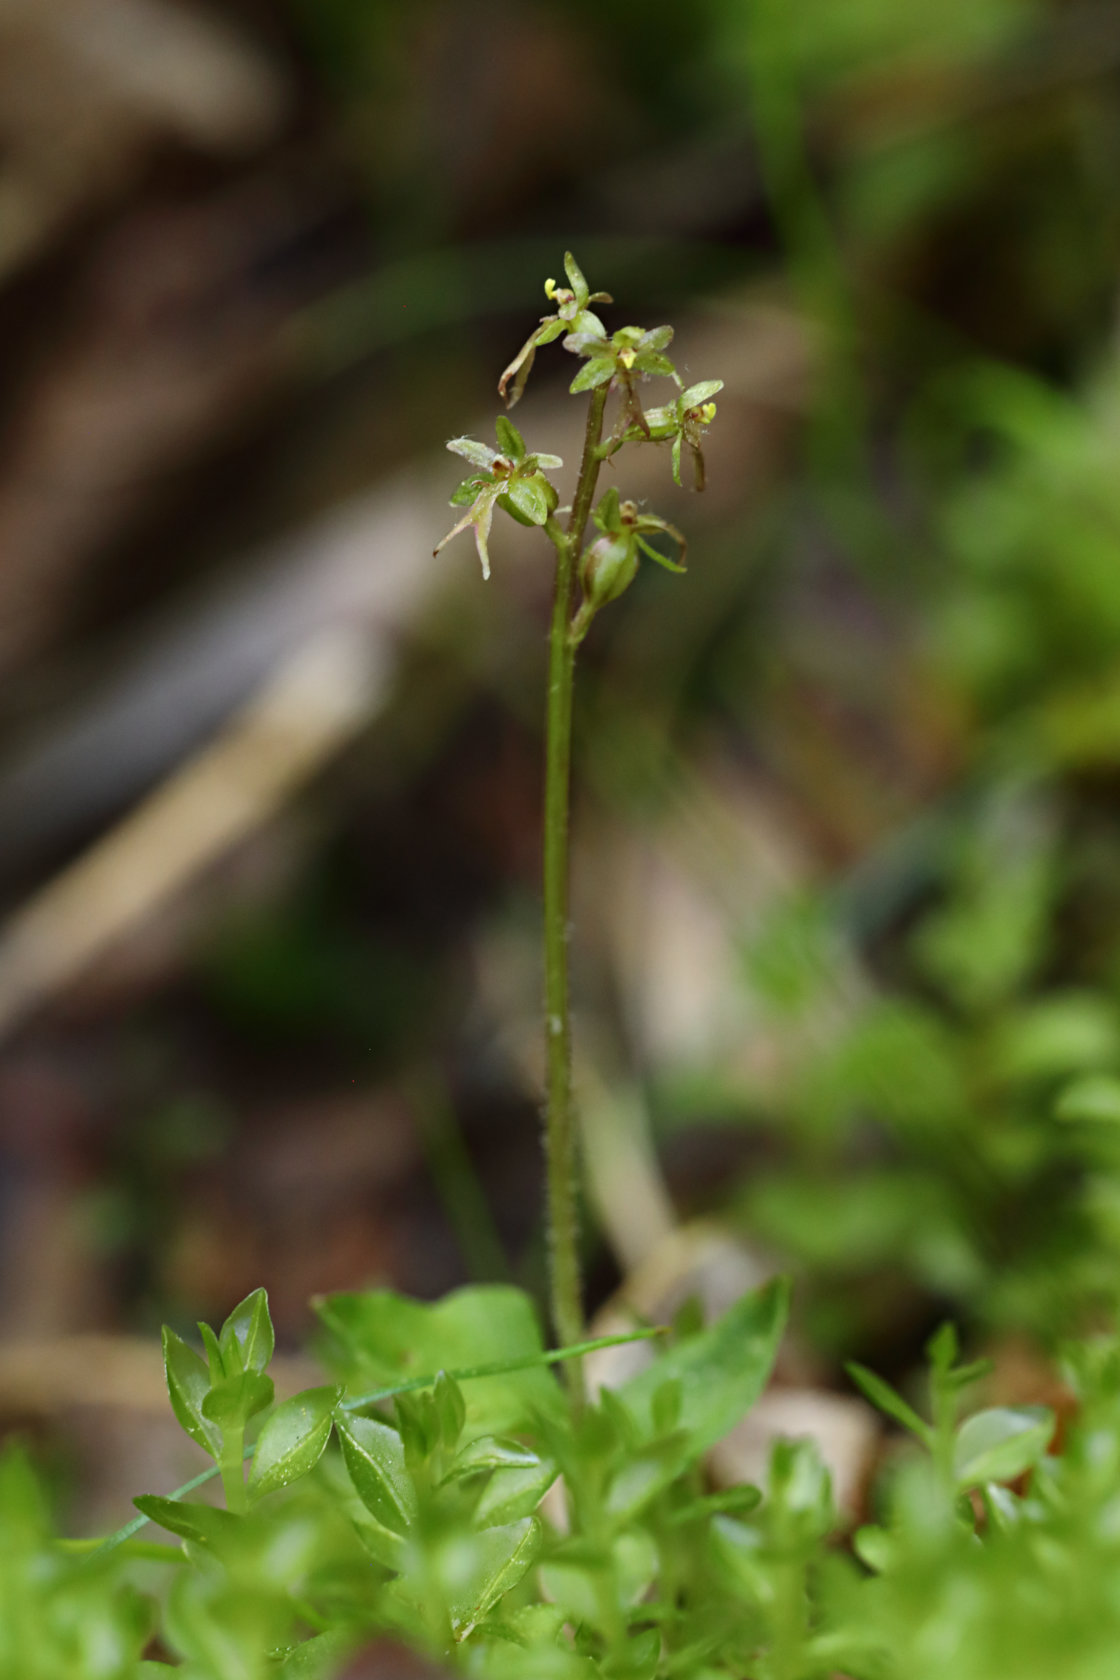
[[608, 568]]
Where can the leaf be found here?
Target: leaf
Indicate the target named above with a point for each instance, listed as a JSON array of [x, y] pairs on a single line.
[[491, 1452], [575, 279], [528, 497], [520, 366], [235, 1400], [650, 361], [1094, 1099], [662, 559], [478, 454], [382, 1544], [385, 1337], [696, 395], [248, 1336], [593, 373], [451, 1411], [466, 491], [656, 338], [204, 1524], [514, 1492], [496, 1560], [374, 1455], [548, 461], [606, 516], [943, 1348], [721, 1372], [188, 1383], [214, 1358], [883, 1396], [998, 1445], [510, 441], [317, 1658], [292, 1440]]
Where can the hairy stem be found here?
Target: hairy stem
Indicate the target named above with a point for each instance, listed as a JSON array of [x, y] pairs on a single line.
[[560, 1131]]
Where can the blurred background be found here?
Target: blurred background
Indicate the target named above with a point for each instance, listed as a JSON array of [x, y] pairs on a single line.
[[847, 831]]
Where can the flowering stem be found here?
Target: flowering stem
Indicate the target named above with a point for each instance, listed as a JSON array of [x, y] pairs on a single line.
[[560, 1132]]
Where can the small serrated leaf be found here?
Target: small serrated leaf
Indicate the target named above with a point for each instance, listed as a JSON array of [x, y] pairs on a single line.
[[188, 1383], [292, 1440]]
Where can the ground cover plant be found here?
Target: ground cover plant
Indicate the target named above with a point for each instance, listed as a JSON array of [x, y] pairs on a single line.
[[444, 1489]]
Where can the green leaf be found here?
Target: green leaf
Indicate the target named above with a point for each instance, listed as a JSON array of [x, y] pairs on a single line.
[[248, 1340], [943, 1348], [662, 559], [656, 338], [374, 1455], [695, 395], [735, 1502], [204, 1524], [385, 1338], [510, 441], [1094, 1099], [382, 1544], [486, 1568], [214, 1359], [292, 1440], [450, 1409], [883, 1396], [466, 491], [478, 454], [188, 1383], [593, 373], [317, 1658], [998, 1445], [528, 497], [491, 1452], [575, 279], [514, 1492], [649, 361], [235, 1400], [548, 461], [606, 516], [721, 1372]]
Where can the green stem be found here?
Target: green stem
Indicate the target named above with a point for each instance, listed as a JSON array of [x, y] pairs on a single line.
[[560, 1132], [232, 1467]]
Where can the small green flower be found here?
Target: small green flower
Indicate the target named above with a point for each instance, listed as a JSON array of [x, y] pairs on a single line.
[[621, 358], [610, 563], [682, 421], [508, 478], [572, 315]]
